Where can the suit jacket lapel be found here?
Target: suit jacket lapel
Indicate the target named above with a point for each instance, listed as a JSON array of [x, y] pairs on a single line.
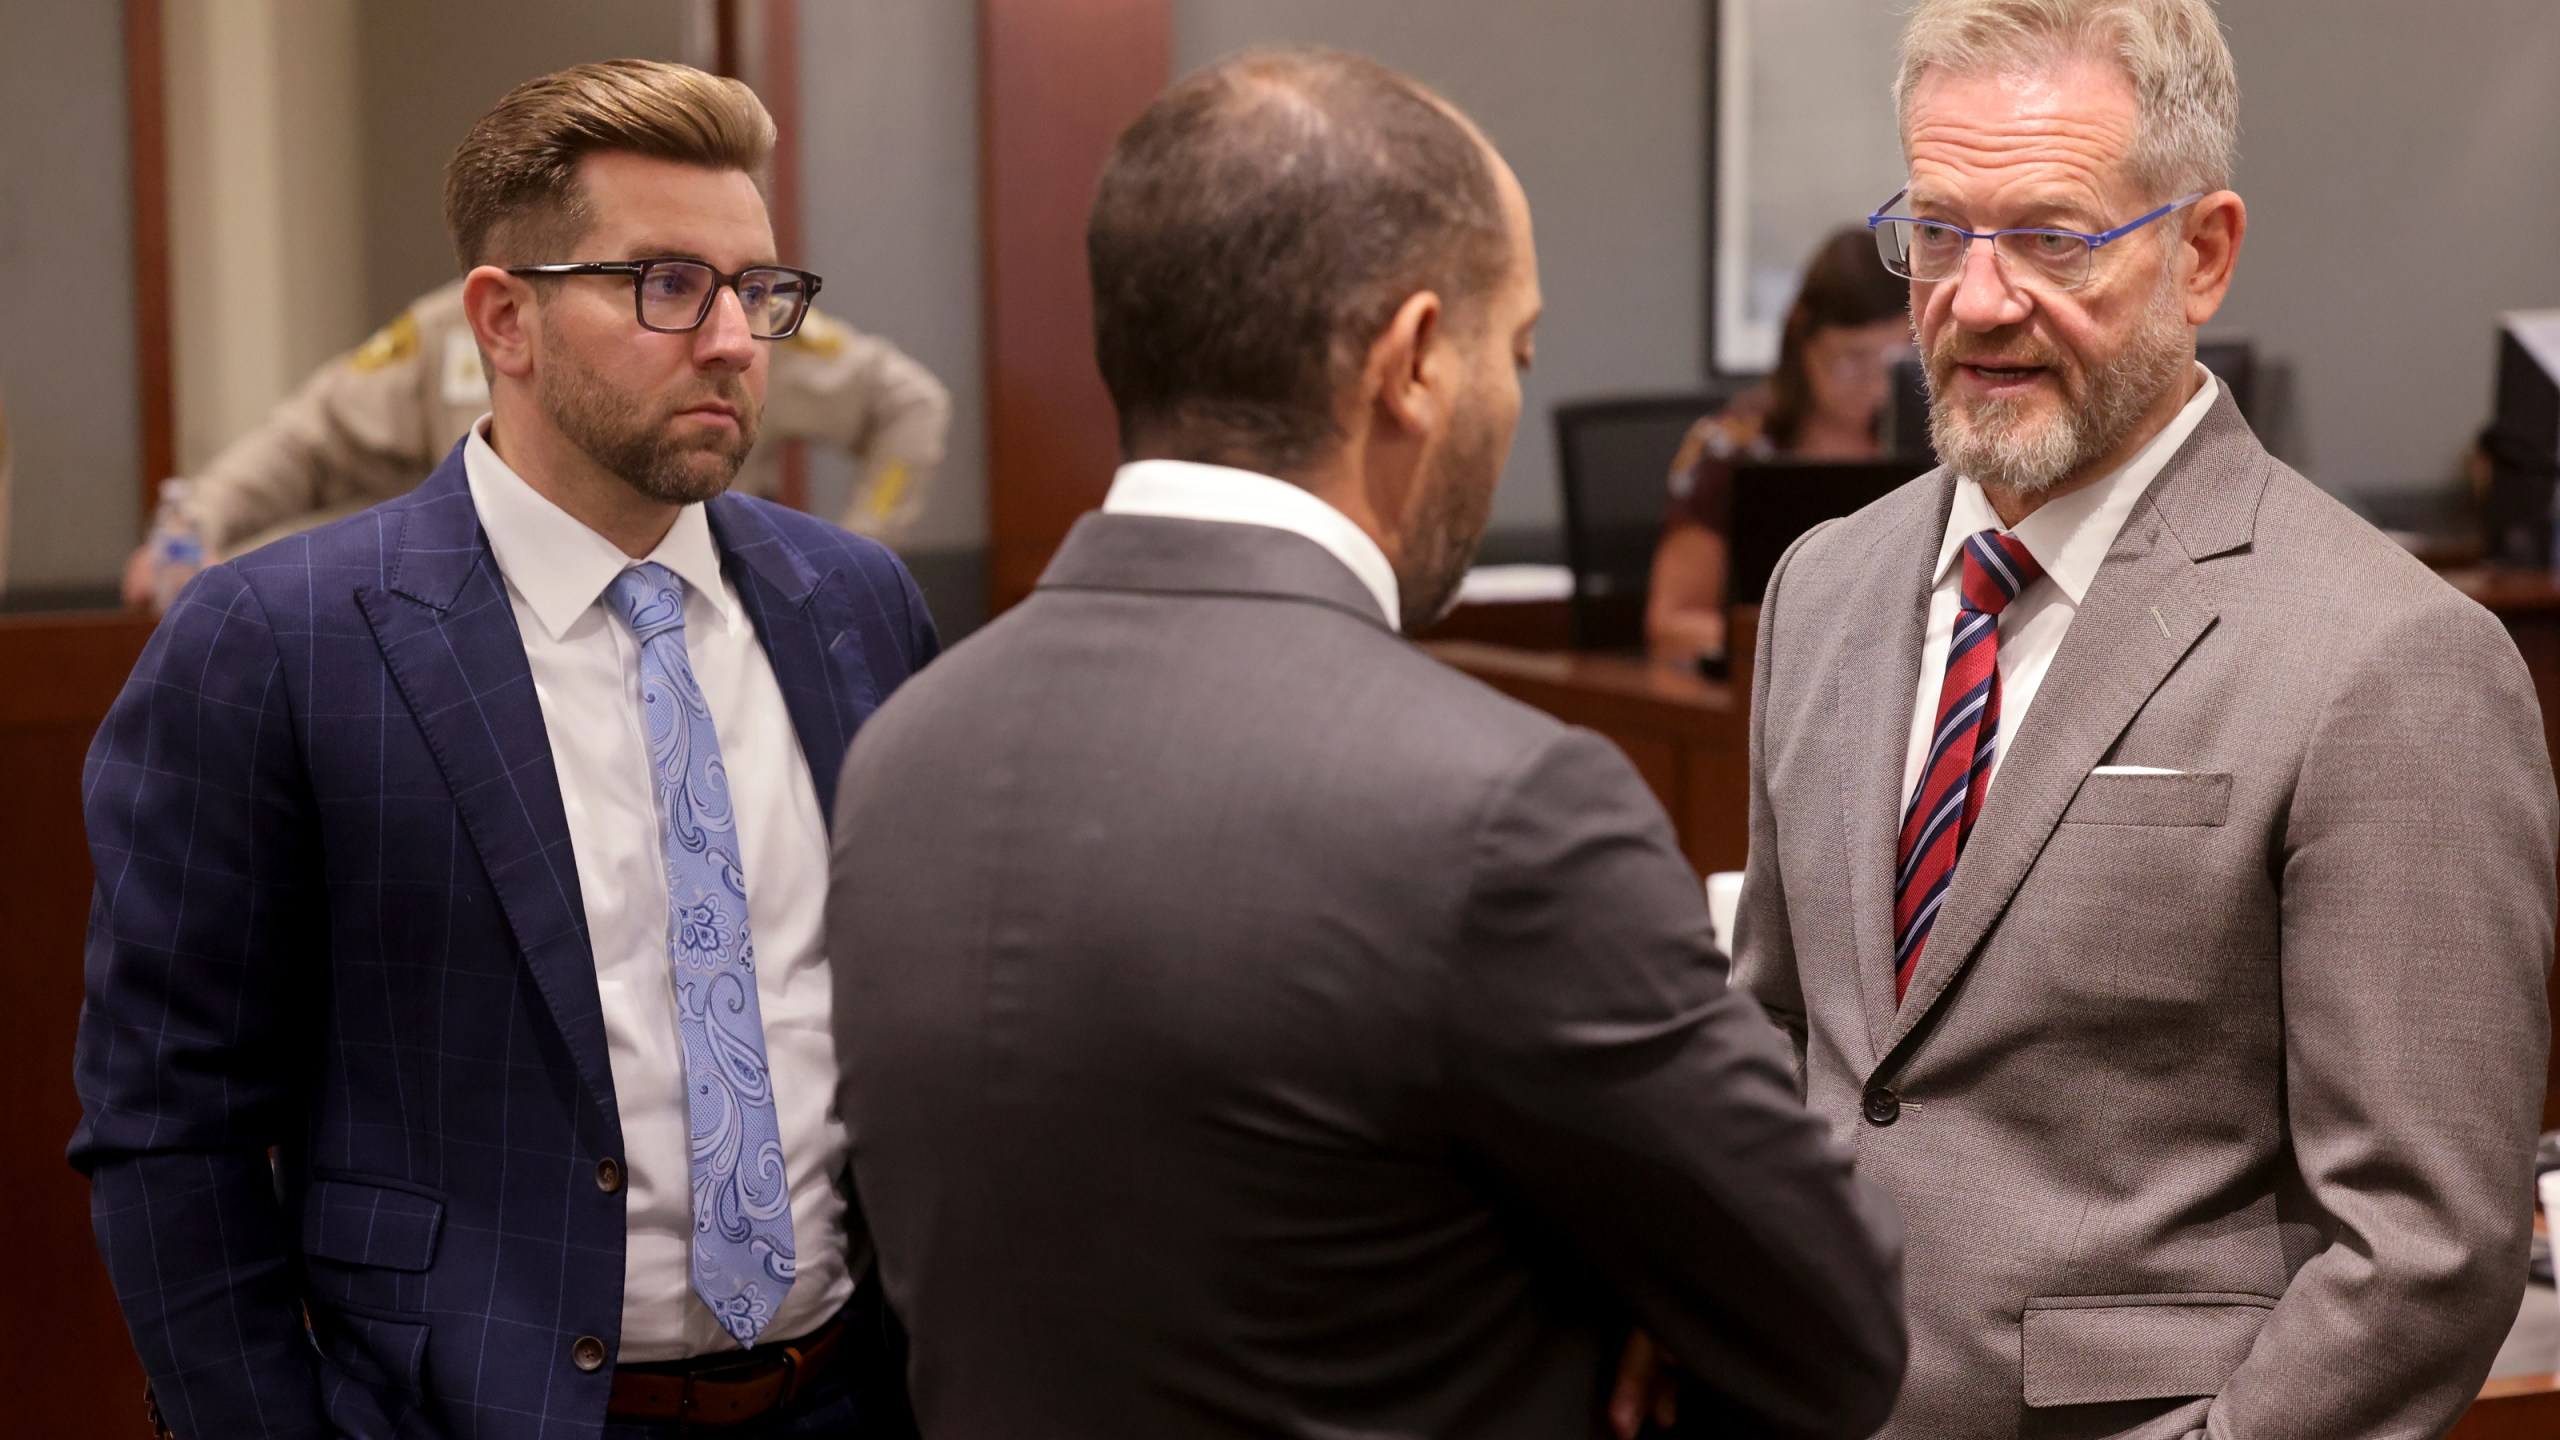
[[448, 635], [806, 625], [2146, 609], [1879, 676]]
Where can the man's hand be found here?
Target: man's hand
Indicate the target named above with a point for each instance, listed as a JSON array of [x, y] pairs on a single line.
[[137, 579], [1648, 1388]]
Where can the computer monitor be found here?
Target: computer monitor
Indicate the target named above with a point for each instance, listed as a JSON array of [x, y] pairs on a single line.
[[2523, 439], [1776, 501]]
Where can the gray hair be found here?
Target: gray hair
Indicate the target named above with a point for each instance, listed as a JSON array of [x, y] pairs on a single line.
[[2186, 94]]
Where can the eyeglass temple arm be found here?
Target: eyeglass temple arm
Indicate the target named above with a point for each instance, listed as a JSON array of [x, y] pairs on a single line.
[[2130, 226]]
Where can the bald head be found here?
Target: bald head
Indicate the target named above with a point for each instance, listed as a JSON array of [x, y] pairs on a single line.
[[1258, 227]]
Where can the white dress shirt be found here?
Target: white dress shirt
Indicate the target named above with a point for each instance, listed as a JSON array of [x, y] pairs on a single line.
[[586, 672], [1187, 490], [2069, 537]]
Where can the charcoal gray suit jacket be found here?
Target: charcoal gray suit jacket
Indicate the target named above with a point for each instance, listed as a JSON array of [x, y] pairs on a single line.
[[1254, 1027], [2211, 1106]]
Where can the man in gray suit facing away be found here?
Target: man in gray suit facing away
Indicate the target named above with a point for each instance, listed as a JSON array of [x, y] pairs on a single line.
[[1254, 1026], [2153, 862]]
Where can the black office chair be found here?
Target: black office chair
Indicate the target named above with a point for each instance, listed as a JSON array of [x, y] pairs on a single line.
[[1614, 466]]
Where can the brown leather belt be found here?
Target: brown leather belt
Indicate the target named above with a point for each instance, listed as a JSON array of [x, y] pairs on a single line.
[[719, 1390]]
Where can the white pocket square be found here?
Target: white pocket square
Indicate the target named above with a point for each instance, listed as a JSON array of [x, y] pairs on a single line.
[[2134, 770]]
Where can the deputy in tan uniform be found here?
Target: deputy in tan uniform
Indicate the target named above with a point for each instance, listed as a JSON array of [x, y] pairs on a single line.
[[370, 424]]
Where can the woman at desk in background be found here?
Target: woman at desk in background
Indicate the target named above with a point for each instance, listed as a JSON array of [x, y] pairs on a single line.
[[1849, 323]]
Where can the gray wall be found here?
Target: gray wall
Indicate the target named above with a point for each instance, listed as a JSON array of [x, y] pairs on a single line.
[[1599, 108], [889, 165], [2402, 167], [66, 265], [427, 69]]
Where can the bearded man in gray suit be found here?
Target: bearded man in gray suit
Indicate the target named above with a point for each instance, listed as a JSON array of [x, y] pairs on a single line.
[[2153, 863], [1255, 1026]]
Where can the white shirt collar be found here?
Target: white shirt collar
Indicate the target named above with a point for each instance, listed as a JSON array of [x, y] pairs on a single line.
[[559, 565], [1187, 490], [2070, 536]]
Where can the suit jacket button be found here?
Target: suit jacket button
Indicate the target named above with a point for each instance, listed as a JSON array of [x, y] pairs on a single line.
[[587, 1353], [609, 1175], [1883, 1107]]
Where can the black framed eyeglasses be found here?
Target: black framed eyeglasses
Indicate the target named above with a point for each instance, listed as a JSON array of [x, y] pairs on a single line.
[[673, 297]]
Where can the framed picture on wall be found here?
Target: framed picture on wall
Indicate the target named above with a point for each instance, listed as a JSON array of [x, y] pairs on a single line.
[[1801, 141]]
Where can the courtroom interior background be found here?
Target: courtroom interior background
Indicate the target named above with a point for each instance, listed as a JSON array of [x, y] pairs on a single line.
[[2399, 161]]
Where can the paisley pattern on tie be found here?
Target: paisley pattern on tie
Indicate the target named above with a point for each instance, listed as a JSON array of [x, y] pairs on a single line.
[[1957, 773], [743, 1262]]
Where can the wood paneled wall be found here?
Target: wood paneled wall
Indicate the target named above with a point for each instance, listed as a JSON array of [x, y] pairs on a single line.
[[147, 137], [67, 1366], [1058, 80]]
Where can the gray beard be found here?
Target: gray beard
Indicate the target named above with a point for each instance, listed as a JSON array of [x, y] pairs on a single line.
[[2000, 444]]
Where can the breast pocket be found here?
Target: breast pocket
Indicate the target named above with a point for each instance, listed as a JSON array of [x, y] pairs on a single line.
[[2158, 800], [2146, 912]]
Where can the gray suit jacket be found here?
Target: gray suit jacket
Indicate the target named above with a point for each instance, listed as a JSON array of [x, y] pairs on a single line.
[[1254, 1027], [2212, 1102]]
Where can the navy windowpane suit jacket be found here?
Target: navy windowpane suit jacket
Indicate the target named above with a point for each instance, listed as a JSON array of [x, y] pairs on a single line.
[[337, 915]]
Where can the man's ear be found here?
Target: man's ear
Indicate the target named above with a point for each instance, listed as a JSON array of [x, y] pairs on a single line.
[[499, 307], [1404, 367], [2213, 235]]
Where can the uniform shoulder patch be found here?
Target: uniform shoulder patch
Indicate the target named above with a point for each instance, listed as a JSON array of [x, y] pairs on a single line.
[[391, 345], [818, 335], [889, 482]]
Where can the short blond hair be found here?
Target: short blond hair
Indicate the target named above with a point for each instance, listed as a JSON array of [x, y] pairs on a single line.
[[2186, 91], [512, 193]]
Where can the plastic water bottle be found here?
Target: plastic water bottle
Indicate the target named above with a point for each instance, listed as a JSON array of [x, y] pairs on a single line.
[[177, 545]]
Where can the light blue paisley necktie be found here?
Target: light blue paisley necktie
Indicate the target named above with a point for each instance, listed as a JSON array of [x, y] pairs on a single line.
[[742, 1254]]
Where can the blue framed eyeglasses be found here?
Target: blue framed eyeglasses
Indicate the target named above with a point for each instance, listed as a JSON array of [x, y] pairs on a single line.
[[1929, 251]]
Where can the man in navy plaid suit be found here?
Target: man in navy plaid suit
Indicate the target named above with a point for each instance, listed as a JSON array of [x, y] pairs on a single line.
[[460, 1054]]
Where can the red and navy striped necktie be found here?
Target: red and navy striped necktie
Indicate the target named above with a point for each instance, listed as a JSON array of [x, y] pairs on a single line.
[[1940, 816]]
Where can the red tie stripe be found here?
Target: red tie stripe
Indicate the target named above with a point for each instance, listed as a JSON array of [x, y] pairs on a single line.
[[1942, 810]]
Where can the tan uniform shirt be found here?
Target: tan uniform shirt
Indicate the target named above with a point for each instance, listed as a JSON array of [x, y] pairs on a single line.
[[372, 423]]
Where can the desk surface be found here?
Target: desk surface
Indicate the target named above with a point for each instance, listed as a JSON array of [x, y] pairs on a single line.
[[2509, 594], [1632, 678], [1688, 738]]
